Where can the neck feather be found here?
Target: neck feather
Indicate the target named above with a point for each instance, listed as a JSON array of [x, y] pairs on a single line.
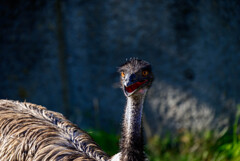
[[132, 141]]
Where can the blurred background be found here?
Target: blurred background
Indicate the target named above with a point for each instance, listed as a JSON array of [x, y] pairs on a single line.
[[64, 55]]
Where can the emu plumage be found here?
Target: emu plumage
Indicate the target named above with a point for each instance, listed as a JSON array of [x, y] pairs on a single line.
[[30, 132]]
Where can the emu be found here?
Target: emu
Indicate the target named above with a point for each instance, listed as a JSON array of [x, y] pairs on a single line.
[[30, 132]]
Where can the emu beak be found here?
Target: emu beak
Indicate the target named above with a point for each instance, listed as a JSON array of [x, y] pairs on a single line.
[[132, 84], [129, 80]]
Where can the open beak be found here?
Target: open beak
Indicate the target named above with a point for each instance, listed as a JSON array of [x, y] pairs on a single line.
[[131, 84]]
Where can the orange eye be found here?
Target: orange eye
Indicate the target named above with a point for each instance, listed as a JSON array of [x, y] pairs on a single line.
[[122, 74], [144, 73]]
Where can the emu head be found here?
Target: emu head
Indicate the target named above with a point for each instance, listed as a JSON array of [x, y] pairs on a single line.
[[136, 77]]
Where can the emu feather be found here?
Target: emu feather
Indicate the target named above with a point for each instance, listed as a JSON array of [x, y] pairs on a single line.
[[30, 132]]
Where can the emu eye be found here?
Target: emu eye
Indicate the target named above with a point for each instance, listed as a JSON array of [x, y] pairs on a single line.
[[122, 74], [145, 73]]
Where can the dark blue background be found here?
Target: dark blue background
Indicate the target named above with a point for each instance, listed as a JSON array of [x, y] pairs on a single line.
[[64, 54]]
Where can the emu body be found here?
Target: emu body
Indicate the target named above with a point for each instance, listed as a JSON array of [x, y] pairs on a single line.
[[30, 132]]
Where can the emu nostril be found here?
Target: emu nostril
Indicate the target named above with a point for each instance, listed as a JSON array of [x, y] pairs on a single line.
[[132, 77]]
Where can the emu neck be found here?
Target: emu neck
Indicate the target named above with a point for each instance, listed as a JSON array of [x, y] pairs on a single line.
[[132, 140], [133, 117]]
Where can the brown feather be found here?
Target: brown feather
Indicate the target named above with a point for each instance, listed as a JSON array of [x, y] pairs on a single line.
[[30, 132]]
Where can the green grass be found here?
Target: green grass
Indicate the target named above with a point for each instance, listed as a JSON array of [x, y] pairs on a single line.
[[108, 142], [208, 146]]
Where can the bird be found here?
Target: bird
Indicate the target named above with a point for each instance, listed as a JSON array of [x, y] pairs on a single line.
[[30, 132]]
